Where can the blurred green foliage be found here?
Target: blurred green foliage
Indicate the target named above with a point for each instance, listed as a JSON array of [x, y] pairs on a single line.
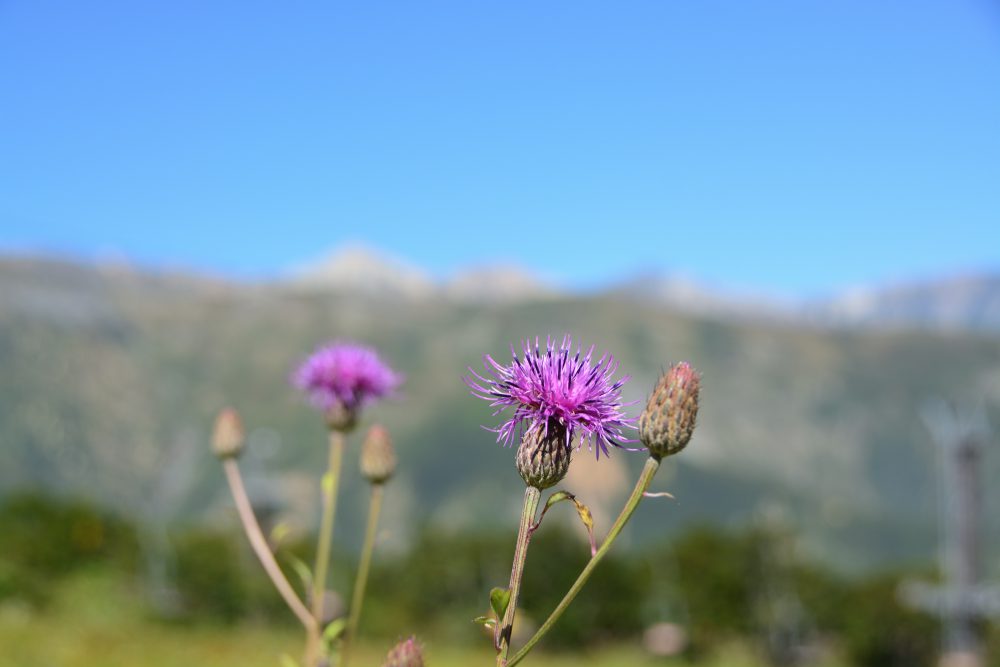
[[43, 539], [742, 586]]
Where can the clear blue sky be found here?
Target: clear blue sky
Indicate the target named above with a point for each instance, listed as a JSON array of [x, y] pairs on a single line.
[[793, 147]]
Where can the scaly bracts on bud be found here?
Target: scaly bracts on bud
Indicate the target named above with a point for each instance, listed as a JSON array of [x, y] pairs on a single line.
[[378, 457], [542, 458], [341, 378], [556, 388], [407, 653], [666, 425], [228, 435]]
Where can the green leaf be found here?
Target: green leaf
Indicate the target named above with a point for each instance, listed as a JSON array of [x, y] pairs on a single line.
[[486, 621], [278, 534], [582, 510], [288, 661], [301, 569], [334, 630], [499, 599], [557, 497], [588, 522]]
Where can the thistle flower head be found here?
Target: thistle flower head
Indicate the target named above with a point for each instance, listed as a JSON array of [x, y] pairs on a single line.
[[227, 434], [666, 425], [407, 653], [556, 387], [342, 377]]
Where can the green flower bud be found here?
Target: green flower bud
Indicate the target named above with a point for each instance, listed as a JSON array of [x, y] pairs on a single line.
[[227, 435], [666, 425], [378, 458], [543, 457]]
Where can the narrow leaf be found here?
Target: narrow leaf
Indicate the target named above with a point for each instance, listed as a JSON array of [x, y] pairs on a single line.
[[278, 534], [302, 570], [334, 630], [499, 599], [485, 621], [588, 522]]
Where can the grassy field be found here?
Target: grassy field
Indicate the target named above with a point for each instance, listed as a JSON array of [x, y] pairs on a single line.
[[96, 622]]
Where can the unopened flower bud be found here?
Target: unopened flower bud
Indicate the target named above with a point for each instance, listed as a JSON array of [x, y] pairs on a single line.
[[542, 457], [341, 418], [666, 425], [378, 458], [227, 435], [407, 653]]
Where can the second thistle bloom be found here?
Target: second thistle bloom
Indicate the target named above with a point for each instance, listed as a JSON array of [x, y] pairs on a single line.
[[556, 392], [342, 377]]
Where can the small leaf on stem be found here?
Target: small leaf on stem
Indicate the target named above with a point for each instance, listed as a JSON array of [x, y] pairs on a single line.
[[585, 516], [301, 569], [485, 621], [334, 630], [499, 599]]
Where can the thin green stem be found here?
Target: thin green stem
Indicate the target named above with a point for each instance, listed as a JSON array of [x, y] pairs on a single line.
[[263, 551], [652, 465], [329, 486], [361, 580], [531, 496]]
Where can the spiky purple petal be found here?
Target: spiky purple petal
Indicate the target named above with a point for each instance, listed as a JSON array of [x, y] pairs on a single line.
[[555, 384], [345, 374]]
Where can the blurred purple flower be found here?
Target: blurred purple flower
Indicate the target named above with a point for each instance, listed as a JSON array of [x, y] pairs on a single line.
[[346, 375], [556, 385]]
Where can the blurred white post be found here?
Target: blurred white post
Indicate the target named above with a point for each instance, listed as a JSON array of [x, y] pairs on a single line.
[[961, 601]]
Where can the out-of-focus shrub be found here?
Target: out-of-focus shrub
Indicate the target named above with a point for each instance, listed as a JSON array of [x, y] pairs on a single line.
[[878, 631], [43, 538], [209, 576]]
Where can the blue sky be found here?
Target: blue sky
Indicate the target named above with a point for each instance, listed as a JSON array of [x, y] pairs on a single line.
[[789, 147]]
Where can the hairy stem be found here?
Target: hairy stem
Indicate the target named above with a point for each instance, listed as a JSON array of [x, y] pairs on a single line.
[[531, 496], [261, 547], [648, 471], [329, 486], [361, 580]]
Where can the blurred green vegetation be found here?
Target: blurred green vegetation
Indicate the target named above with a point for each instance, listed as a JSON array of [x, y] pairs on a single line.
[[74, 575]]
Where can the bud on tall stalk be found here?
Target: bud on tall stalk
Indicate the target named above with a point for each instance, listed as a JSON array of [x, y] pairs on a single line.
[[228, 435], [666, 425], [378, 457], [406, 653]]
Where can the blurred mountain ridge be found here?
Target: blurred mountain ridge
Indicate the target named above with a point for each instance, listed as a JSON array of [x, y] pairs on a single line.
[[112, 373]]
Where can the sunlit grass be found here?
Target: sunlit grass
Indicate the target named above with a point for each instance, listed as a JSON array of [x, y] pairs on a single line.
[[97, 622]]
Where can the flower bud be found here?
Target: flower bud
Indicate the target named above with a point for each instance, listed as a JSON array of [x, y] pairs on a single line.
[[407, 653], [378, 458], [341, 418], [666, 425], [227, 435], [542, 457]]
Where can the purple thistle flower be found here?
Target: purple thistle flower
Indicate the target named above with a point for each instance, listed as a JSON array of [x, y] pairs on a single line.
[[556, 386], [347, 375]]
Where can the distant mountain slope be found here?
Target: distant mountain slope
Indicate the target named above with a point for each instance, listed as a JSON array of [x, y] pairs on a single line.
[[962, 303], [111, 378]]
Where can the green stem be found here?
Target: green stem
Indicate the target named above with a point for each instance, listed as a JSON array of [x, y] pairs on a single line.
[[329, 489], [531, 496], [362, 577], [641, 485]]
